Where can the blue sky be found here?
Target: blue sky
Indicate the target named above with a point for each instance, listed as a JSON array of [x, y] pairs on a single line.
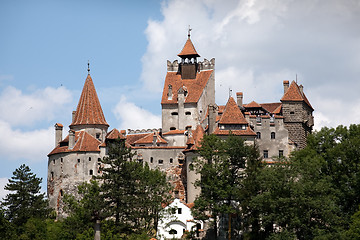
[[45, 47]]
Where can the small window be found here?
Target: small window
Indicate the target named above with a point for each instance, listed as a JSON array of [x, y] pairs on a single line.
[[54, 162], [281, 153], [179, 211], [181, 161], [266, 154], [171, 160], [91, 172], [172, 128], [174, 113], [78, 160], [99, 171], [151, 160], [52, 176], [99, 159], [292, 112], [258, 135], [272, 135], [187, 113], [89, 159], [61, 160], [61, 192], [188, 128], [161, 162], [172, 232], [98, 135]]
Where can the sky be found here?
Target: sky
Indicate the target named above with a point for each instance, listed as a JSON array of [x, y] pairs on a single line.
[[45, 47]]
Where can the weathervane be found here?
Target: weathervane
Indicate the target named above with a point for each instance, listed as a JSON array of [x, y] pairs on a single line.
[[189, 31], [230, 92], [88, 67]]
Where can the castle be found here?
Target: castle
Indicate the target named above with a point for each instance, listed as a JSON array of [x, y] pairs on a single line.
[[188, 112]]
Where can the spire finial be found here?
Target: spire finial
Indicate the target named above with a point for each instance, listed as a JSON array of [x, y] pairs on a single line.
[[88, 67], [189, 31]]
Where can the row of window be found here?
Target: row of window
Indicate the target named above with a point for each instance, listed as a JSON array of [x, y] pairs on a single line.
[[176, 113], [266, 153], [272, 135], [78, 160]]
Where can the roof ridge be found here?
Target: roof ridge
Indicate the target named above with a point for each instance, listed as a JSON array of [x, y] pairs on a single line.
[[232, 114]]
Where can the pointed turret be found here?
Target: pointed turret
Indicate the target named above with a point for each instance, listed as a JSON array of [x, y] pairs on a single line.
[[188, 66], [89, 111]]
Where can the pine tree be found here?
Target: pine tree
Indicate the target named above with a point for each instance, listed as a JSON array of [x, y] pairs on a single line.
[[24, 200]]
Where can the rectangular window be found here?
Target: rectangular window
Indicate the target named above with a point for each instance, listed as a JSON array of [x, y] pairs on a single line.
[[179, 210], [272, 135], [161, 162], [281, 153], [266, 154]]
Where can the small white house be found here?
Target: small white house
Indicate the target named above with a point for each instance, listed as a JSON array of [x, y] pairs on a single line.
[[176, 219]]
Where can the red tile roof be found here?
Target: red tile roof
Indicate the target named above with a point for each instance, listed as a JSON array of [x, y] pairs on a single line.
[[194, 140], [294, 94], [114, 134], [131, 138], [188, 50], [84, 142], [253, 104], [148, 139], [232, 114], [174, 132], [89, 109], [195, 87], [270, 107]]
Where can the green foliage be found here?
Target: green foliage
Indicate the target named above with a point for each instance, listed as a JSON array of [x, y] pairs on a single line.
[[222, 166], [24, 200]]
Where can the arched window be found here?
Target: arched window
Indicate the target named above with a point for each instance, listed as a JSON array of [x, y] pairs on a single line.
[[272, 135], [171, 160], [89, 159], [173, 231], [258, 135]]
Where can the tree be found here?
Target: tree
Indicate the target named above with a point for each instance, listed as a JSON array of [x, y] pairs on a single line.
[[222, 164], [132, 191], [24, 200]]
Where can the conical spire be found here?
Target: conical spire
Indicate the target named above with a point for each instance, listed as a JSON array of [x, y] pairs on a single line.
[[89, 111], [188, 49]]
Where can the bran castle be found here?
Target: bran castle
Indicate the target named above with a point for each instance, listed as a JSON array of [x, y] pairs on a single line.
[[188, 112]]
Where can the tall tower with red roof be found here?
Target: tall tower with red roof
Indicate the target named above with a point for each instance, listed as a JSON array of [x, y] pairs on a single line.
[[75, 158]]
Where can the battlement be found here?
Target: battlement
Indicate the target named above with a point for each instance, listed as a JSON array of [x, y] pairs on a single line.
[[134, 131], [204, 65]]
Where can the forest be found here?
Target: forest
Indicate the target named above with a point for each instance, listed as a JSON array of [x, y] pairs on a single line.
[[313, 194]]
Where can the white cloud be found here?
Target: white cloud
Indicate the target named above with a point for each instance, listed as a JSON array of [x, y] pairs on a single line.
[[30, 145], [3, 192], [258, 44], [134, 117], [19, 109]]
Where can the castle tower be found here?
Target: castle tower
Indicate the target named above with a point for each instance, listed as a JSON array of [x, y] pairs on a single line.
[[188, 90], [75, 159], [297, 112]]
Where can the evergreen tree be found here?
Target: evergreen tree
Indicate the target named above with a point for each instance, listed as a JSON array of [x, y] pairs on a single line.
[[24, 200]]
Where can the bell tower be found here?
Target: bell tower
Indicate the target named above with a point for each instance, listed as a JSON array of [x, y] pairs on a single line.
[[188, 67]]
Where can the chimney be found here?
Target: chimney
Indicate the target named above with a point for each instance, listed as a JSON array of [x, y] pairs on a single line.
[[301, 87], [212, 118], [58, 133], [71, 139], [73, 116], [154, 139], [239, 99], [286, 85]]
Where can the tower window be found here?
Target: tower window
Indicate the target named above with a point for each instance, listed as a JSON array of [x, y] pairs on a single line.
[[98, 135], [171, 160], [266, 154], [161, 162], [78, 160], [61, 192], [89, 159], [258, 135], [91, 172], [292, 112], [52, 176], [272, 135], [174, 113], [54, 162], [179, 211], [99, 159], [61, 160], [187, 113], [172, 128], [151, 159]]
